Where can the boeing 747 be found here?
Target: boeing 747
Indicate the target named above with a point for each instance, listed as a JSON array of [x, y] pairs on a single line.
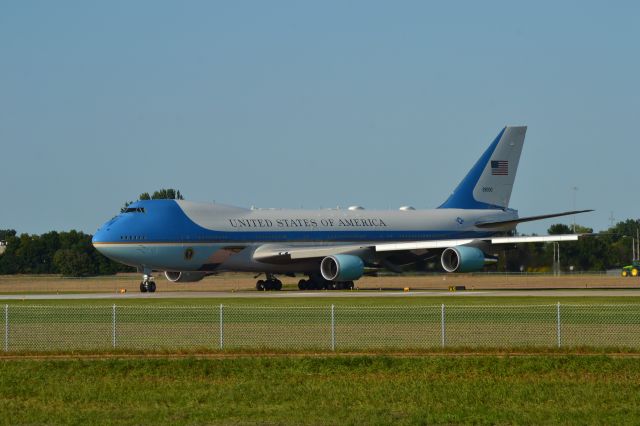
[[331, 248]]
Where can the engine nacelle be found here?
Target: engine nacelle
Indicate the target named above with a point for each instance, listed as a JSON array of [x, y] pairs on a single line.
[[463, 259], [184, 277], [341, 267]]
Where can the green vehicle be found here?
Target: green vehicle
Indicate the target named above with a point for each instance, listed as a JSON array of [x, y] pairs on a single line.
[[632, 270]]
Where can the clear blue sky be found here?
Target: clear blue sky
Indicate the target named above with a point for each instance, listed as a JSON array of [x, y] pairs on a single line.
[[313, 104]]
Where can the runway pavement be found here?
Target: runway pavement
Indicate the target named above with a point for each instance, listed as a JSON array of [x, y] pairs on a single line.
[[333, 294]]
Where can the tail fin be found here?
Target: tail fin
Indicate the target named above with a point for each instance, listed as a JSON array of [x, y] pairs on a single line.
[[489, 183]]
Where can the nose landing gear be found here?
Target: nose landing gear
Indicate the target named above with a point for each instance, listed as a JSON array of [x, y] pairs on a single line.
[[148, 284]]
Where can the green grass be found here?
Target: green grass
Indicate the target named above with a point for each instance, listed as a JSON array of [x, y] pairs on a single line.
[[323, 390], [179, 326]]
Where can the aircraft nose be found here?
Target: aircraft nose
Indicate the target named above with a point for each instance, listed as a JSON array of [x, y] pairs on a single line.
[[102, 240], [98, 237], [102, 235]]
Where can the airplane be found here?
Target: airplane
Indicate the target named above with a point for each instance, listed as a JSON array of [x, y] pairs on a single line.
[[331, 247]]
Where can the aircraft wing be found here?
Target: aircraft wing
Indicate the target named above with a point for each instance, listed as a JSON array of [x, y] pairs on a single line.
[[277, 252]]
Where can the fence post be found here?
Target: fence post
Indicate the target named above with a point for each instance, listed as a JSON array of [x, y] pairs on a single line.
[[558, 324], [221, 326], [442, 325], [333, 328], [113, 326], [6, 328]]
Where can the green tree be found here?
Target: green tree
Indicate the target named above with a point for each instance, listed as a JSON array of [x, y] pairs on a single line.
[[7, 233], [162, 194], [9, 261], [35, 254], [72, 263], [620, 238], [559, 229], [589, 253], [31, 255], [167, 194]]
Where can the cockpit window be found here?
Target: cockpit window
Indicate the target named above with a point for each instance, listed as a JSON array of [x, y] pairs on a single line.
[[134, 210]]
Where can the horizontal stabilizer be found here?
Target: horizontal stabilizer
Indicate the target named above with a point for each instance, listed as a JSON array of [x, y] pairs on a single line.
[[495, 224]]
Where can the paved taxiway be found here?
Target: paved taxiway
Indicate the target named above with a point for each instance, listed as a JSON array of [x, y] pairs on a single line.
[[332, 294]]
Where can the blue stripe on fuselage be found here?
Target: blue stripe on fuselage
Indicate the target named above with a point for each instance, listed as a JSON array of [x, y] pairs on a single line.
[[165, 221]]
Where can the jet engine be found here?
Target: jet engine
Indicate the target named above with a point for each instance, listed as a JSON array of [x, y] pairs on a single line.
[[184, 277], [341, 267], [464, 259]]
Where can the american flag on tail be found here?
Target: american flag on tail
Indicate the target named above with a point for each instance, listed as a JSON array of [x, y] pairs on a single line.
[[499, 167]]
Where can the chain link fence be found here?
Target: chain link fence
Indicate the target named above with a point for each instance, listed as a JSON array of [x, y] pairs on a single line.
[[332, 327]]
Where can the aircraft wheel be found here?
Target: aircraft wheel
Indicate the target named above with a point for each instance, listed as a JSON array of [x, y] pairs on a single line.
[[634, 272], [143, 287], [260, 285], [349, 285], [151, 287], [277, 285]]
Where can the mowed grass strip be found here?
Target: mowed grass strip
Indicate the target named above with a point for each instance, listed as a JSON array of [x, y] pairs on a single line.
[[76, 327], [316, 390]]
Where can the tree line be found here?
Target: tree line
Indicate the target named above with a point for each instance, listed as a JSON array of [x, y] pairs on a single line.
[[68, 253], [609, 249]]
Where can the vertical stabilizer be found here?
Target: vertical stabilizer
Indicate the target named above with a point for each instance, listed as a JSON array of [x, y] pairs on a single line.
[[489, 183]]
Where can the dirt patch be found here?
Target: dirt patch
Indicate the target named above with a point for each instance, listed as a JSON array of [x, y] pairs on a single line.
[[243, 282]]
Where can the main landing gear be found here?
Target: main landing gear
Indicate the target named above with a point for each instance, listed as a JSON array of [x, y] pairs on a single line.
[[319, 283], [271, 283], [313, 283], [148, 284]]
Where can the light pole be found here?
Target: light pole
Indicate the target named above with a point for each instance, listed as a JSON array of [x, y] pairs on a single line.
[[556, 258], [635, 255], [575, 192]]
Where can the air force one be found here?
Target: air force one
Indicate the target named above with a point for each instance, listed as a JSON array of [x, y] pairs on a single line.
[[189, 241]]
